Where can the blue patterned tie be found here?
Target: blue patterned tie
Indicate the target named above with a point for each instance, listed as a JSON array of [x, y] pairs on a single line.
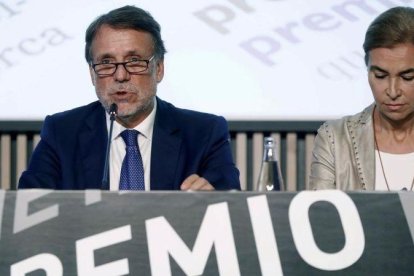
[[132, 171]]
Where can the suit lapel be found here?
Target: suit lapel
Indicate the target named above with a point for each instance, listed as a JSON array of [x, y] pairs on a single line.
[[92, 147], [165, 152]]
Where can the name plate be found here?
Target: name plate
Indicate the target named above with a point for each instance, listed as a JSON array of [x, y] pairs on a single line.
[[206, 233]]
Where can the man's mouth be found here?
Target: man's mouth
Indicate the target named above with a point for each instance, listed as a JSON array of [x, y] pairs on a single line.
[[121, 92]]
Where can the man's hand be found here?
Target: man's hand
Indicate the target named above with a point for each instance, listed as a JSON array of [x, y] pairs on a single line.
[[196, 183]]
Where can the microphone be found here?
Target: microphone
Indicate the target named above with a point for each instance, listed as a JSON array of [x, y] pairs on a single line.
[[113, 111]]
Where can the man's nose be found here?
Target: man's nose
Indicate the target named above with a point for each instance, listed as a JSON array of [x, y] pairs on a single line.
[[121, 74]]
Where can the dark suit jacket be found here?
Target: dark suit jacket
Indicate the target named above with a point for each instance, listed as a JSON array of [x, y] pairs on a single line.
[[71, 153]]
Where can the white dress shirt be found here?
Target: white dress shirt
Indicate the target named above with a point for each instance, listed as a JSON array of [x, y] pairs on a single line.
[[398, 169], [118, 152]]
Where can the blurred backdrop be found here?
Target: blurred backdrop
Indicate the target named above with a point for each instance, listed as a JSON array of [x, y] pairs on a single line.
[[243, 59]]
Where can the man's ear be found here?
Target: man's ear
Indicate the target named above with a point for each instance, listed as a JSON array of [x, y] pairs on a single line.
[[93, 75], [160, 70]]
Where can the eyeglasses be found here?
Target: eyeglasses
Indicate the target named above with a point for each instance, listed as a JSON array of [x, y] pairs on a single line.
[[134, 66]]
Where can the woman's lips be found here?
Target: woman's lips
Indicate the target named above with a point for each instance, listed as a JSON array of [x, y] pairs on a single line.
[[394, 107]]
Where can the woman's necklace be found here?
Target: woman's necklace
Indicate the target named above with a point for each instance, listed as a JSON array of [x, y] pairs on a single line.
[[379, 155]]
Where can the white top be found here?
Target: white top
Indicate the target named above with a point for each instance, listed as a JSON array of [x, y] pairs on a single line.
[[117, 153], [398, 169]]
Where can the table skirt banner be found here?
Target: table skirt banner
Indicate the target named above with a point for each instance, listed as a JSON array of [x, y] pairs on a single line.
[[53, 233]]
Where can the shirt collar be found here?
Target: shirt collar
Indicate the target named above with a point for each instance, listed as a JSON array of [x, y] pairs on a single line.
[[145, 128]]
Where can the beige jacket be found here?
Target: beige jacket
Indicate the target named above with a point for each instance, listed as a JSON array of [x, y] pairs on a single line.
[[344, 155]]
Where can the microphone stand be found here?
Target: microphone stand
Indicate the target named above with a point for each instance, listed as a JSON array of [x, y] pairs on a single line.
[[113, 110]]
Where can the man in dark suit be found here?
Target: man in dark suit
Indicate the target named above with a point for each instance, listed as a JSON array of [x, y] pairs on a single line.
[[178, 149]]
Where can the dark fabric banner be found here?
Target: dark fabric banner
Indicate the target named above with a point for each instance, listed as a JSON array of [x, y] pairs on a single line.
[[206, 233]]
